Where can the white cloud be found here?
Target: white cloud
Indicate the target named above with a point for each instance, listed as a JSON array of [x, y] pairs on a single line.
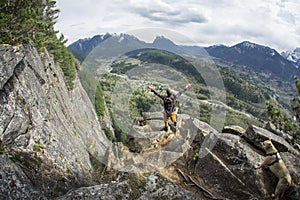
[[166, 13], [274, 23]]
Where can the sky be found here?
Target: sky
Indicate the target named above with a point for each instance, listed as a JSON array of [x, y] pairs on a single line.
[[273, 23]]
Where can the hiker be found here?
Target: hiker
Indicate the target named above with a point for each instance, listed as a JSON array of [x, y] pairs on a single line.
[[169, 104]]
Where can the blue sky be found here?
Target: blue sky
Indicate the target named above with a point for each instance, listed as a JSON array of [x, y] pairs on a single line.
[[274, 23]]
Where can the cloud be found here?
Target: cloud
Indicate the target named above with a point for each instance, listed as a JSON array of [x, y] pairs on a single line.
[[159, 11], [287, 17], [77, 24]]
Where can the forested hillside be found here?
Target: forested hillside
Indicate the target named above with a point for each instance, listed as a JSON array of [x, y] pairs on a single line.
[[241, 94]]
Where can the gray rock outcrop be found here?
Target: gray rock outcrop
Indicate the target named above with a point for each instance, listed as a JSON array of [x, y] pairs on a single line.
[[228, 168], [14, 184], [45, 128], [125, 191]]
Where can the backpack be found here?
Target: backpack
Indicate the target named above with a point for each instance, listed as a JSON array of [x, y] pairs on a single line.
[[169, 104]]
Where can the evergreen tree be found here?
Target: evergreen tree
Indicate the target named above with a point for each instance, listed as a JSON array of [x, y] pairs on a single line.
[[99, 101], [295, 103], [283, 122], [22, 21]]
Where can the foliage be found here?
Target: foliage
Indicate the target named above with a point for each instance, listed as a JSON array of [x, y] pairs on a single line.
[[33, 20], [141, 101], [5, 150], [161, 57], [137, 182], [99, 102], [80, 56], [284, 122], [108, 82], [95, 91], [205, 112], [241, 94], [121, 136], [257, 110], [109, 134], [242, 89], [67, 63], [239, 119]]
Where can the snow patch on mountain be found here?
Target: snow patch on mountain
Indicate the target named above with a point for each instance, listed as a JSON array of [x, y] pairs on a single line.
[[249, 45], [293, 56]]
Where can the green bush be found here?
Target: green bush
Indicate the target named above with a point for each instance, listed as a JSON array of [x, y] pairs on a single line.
[[121, 136], [99, 102], [283, 121], [109, 134], [140, 101]]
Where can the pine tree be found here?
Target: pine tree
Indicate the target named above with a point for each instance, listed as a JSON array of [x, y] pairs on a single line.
[[295, 103], [22, 21], [283, 122], [99, 101]]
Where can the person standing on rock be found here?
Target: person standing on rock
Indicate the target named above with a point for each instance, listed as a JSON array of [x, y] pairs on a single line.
[[169, 104]]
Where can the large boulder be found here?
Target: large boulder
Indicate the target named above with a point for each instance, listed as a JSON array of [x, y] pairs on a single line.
[[292, 162], [223, 165], [236, 130], [154, 188], [271, 127], [228, 171], [256, 135]]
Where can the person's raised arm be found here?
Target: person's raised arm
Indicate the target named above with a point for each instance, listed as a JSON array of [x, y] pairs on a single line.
[[155, 92], [182, 91]]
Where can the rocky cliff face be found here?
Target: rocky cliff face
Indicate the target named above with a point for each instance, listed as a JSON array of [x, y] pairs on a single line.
[[47, 130]]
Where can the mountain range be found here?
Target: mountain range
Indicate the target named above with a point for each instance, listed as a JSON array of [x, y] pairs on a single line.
[[261, 59]]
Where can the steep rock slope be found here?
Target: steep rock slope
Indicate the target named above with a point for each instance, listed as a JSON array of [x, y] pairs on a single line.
[[45, 128]]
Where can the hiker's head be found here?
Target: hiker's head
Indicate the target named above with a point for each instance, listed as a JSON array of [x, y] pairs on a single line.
[[169, 92]]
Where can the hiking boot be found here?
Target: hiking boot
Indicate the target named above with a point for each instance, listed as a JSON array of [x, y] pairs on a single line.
[[176, 130], [166, 128]]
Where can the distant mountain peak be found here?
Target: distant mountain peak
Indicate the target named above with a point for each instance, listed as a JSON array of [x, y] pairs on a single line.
[[293, 56], [162, 39], [84, 46], [251, 45], [248, 44], [256, 47], [259, 58]]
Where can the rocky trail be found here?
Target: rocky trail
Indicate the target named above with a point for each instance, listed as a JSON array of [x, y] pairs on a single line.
[[208, 160]]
